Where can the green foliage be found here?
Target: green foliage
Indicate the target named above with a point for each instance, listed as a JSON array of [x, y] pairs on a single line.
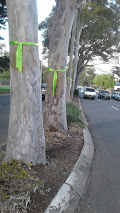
[[12, 170], [116, 70], [5, 75], [3, 14], [105, 81], [4, 63], [73, 114], [17, 179], [100, 31], [4, 90], [87, 76], [76, 92]]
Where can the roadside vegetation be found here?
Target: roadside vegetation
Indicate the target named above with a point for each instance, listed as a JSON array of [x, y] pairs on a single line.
[[74, 114]]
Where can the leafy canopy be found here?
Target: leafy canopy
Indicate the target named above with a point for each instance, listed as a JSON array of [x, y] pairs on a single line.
[[87, 76], [104, 81], [3, 15]]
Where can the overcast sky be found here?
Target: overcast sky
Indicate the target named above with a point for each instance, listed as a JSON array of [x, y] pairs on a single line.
[[44, 9]]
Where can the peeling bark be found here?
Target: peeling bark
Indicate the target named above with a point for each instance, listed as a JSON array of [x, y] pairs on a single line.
[[26, 141], [59, 34]]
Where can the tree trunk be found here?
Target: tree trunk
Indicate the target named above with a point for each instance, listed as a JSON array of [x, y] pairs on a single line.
[[79, 30], [79, 70], [26, 141], [59, 34], [72, 44]]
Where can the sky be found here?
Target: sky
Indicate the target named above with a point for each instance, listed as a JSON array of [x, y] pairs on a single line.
[[44, 10]]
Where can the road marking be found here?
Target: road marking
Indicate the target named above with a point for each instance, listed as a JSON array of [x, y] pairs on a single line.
[[114, 107], [99, 100]]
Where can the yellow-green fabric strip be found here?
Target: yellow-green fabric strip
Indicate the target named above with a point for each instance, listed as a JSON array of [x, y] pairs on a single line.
[[70, 79], [19, 52], [55, 78]]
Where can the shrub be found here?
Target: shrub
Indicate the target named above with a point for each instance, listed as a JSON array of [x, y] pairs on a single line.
[[76, 92], [73, 114]]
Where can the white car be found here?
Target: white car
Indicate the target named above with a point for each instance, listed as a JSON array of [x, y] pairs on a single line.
[[89, 93]]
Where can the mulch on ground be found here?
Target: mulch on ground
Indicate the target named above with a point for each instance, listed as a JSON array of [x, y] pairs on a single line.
[[62, 151]]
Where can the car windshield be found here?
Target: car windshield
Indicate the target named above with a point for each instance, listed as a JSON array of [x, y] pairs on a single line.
[[90, 90], [104, 91]]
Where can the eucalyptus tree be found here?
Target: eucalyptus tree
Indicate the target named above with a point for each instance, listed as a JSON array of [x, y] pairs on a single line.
[[59, 34], [100, 34], [78, 33], [26, 141], [72, 47]]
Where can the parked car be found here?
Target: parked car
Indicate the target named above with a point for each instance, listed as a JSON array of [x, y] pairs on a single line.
[[113, 95], [89, 93], [97, 91], [117, 96], [104, 94], [82, 90], [43, 90]]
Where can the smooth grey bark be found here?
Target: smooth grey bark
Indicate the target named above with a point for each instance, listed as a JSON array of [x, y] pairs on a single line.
[[59, 34], [78, 33], [26, 141], [72, 44], [82, 62], [79, 70]]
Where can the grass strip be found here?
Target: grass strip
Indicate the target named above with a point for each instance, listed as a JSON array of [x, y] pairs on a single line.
[[4, 90]]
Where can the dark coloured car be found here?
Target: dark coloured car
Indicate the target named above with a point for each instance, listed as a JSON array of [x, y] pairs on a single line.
[[104, 94], [117, 96], [114, 95], [43, 90]]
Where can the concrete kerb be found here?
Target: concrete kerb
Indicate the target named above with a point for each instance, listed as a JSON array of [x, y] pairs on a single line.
[[67, 198]]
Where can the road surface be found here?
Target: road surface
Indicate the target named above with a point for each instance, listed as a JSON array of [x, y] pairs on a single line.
[[103, 191], [4, 116]]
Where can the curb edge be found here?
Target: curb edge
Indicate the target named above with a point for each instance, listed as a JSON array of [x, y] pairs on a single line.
[[67, 198]]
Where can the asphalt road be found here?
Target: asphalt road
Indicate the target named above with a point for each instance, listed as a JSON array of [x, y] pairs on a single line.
[[4, 116], [103, 191]]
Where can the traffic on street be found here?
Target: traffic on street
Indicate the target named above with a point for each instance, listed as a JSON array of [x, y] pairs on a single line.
[[103, 189]]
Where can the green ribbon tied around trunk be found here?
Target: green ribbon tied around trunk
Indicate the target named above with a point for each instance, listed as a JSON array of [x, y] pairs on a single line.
[[55, 78], [70, 79], [19, 52]]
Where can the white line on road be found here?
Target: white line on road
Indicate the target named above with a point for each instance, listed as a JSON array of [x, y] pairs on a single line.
[[99, 100], [114, 107]]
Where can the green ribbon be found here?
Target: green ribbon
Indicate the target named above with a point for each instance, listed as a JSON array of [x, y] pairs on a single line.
[[55, 78], [19, 52], [70, 79]]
